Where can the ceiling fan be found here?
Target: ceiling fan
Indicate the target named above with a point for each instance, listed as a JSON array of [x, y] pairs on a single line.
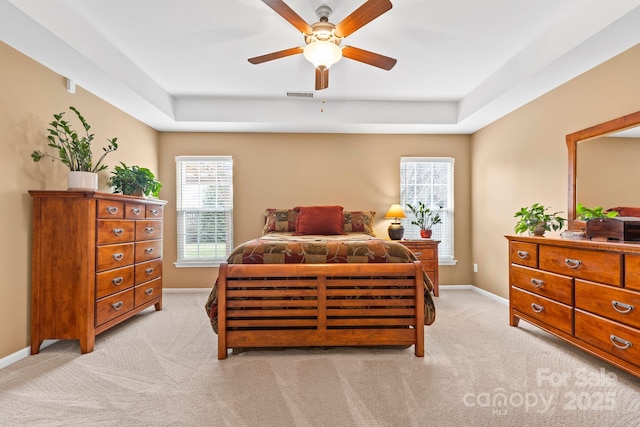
[[323, 38]]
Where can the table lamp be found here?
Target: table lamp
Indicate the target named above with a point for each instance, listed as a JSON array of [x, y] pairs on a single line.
[[396, 230]]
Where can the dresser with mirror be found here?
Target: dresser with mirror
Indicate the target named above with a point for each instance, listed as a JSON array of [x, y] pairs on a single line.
[[583, 291]]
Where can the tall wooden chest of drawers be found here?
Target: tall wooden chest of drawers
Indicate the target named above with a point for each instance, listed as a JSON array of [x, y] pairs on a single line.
[[96, 261], [585, 292], [426, 250]]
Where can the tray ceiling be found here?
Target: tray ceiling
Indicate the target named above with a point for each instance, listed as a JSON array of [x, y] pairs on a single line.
[[182, 65]]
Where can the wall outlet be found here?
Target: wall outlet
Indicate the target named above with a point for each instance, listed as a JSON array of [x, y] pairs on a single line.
[[475, 268]]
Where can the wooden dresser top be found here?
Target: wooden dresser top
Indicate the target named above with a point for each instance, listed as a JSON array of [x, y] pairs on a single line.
[[612, 246], [95, 195]]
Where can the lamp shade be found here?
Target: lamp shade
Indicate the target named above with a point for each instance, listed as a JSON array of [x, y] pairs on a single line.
[[395, 211], [322, 54]]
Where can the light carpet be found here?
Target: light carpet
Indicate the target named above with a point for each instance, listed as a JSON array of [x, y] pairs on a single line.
[[160, 369]]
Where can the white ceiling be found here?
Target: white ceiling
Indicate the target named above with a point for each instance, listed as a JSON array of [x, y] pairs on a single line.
[[182, 64]]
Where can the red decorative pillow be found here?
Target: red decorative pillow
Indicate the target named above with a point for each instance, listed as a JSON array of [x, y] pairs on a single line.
[[323, 220]]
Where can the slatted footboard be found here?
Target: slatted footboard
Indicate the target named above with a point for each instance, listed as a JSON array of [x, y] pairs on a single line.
[[295, 305]]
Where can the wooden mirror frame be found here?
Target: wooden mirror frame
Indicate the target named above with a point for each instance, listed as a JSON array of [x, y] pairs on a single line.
[[615, 125]]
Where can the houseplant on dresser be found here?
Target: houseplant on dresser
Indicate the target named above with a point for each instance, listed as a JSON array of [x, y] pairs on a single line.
[[585, 213], [536, 221], [75, 151], [134, 181], [426, 218]]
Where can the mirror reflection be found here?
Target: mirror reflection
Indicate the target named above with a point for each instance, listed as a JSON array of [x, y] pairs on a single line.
[[608, 170], [603, 173]]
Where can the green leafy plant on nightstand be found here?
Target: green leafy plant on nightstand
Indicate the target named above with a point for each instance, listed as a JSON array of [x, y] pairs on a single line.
[[426, 217]]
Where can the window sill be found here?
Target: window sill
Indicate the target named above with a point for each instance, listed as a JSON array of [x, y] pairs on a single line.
[[197, 264]]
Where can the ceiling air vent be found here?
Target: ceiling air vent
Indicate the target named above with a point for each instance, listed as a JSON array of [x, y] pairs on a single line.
[[300, 94]]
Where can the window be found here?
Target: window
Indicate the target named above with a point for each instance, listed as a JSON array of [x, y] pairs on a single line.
[[429, 180], [204, 204]]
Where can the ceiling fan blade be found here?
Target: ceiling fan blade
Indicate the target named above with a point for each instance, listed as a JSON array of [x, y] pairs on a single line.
[[362, 16], [282, 9], [322, 78], [276, 55], [375, 59]]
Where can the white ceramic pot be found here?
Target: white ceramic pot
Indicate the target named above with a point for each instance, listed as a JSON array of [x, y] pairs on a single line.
[[82, 181]]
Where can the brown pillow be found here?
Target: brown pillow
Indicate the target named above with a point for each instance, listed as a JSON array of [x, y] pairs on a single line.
[[325, 220]]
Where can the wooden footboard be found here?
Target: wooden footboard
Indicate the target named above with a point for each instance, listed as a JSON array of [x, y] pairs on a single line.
[[295, 305]]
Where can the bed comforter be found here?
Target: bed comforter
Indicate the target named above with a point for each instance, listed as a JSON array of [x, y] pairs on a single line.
[[285, 248]]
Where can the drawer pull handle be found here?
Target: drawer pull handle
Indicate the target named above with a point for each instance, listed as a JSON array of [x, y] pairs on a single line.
[[617, 341], [136, 211], [537, 282], [117, 305], [154, 212], [572, 263], [418, 254], [148, 230], [621, 307], [118, 231], [149, 270], [523, 254], [117, 281], [118, 256], [536, 307], [148, 251], [149, 291], [112, 210]]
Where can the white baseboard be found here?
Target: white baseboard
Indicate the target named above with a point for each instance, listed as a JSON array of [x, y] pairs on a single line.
[[456, 288], [475, 289], [177, 290], [21, 354], [13, 358]]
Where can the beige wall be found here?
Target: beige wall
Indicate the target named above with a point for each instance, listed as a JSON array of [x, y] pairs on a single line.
[[522, 158], [29, 95], [516, 161], [359, 172]]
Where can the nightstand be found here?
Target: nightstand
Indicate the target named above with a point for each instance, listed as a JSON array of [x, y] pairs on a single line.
[[426, 250]]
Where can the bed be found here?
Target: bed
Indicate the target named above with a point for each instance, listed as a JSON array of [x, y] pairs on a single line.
[[319, 278]]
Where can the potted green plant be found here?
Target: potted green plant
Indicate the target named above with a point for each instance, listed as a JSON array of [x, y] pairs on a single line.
[[537, 221], [426, 218], [134, 181], [585, 214], [75, 151]]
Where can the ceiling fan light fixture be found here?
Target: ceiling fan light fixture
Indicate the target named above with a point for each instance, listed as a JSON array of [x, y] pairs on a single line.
[[322, 54], [322, 39]]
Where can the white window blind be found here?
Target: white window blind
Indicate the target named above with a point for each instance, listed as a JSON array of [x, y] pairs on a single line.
[[204, 204], [429, 180]]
